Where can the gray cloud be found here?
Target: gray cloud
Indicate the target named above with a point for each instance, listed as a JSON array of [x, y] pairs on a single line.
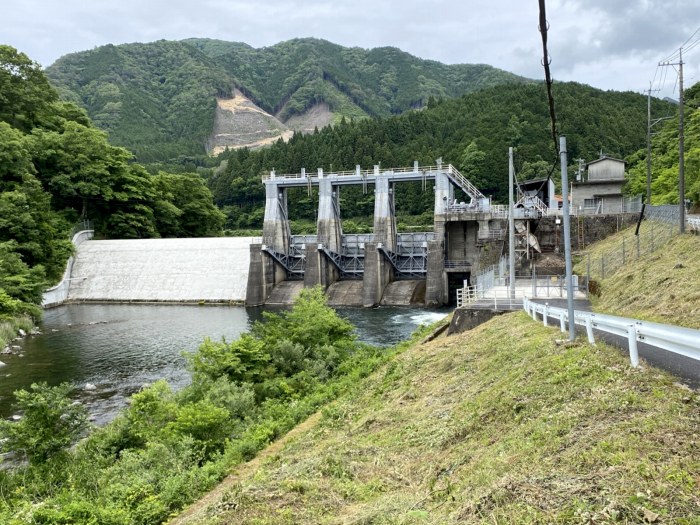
[[613, 44]]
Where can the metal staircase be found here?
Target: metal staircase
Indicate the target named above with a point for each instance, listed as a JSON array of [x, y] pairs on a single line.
[[348, 265], [460, 180], [293, 263]]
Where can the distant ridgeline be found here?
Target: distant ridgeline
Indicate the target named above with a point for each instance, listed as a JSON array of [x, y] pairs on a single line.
[[472, 132], [160, 99]]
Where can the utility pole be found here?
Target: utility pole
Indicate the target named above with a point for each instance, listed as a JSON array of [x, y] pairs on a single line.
[[511, 224], [650, 126], [567, 237], [681, 142], [648, 199], [681, 139]]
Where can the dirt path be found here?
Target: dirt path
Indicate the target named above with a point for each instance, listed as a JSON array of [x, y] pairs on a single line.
[[196, 512]]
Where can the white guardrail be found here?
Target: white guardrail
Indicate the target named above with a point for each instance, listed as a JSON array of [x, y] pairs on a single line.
[[676, 339]]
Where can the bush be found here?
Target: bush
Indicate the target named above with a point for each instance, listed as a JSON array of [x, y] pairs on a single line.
[[50, 423]]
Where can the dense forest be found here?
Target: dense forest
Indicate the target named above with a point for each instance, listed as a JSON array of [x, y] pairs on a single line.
[[665, 157], [472, 132], [158, 99], [57, 168]]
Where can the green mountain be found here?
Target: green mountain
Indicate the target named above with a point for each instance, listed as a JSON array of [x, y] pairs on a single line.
[[156, 99], [472, 132], [159, 99], [665, 156]]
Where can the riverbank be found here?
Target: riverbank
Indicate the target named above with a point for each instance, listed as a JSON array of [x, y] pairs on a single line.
[[170, 446], [502, 424], [11, 329]]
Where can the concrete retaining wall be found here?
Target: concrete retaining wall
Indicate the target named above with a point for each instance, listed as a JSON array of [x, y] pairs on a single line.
[[59, 294], [595, 228], [152, 270], [465, 319]]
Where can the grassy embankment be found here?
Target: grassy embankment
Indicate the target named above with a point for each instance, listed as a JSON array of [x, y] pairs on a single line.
[[663, 286], [497, 425]]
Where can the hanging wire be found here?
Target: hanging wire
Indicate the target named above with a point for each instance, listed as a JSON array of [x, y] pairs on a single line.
[[544, 27]]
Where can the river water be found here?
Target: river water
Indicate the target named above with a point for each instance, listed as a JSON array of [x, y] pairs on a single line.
[[120, 347]]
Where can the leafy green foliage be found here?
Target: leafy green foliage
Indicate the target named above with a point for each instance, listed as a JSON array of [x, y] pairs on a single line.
[[50, 422], [158, 99], [25, 92], [168, 447], [18, 280], [55, 167], [243, 360], [184, 208], [665, 159]]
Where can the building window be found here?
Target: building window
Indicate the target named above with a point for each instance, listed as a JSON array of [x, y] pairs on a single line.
[[592, 204]]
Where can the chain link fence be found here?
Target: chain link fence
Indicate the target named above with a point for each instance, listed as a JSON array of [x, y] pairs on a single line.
[[660, 226]]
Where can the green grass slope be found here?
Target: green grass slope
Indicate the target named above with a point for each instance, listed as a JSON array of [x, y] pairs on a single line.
[[497, 425], [661, 285]]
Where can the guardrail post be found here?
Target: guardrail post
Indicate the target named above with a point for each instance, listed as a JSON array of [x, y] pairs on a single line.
[[562, 324], [632, 338], [589, 330], [544, 315]]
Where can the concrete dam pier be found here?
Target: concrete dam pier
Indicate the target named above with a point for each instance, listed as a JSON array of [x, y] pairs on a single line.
[[212, 270], [383, 267]]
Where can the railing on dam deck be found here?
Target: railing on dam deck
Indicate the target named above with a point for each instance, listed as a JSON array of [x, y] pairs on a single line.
[[412, 173], [368, 174]]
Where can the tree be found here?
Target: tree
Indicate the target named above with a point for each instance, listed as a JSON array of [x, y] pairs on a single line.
[[472, 164], [184, 206], [25, 92], [50, 422]]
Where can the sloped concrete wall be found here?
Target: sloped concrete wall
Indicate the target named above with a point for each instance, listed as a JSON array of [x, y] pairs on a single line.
[[345, 293], [176, 270], [404, 293], [58, 294]]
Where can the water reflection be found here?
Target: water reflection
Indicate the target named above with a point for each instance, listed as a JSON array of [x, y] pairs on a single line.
[[120, 347]]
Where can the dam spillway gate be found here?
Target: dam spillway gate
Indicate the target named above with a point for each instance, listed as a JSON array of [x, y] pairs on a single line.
[[462, 232]]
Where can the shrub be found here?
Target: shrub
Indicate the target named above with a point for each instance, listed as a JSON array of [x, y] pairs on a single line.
[[50, 423]]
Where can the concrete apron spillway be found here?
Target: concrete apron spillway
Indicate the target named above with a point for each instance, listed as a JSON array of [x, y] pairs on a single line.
[[196, 270], [209, 270]]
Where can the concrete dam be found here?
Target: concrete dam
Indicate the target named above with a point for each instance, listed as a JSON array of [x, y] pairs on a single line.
[[384, 267], [154, 270]]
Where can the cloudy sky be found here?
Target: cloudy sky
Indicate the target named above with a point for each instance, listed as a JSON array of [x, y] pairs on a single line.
[[610, 44]]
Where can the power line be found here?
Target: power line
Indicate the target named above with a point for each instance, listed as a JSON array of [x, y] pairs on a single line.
[[691, 37], [544, 26], [688, 45]]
